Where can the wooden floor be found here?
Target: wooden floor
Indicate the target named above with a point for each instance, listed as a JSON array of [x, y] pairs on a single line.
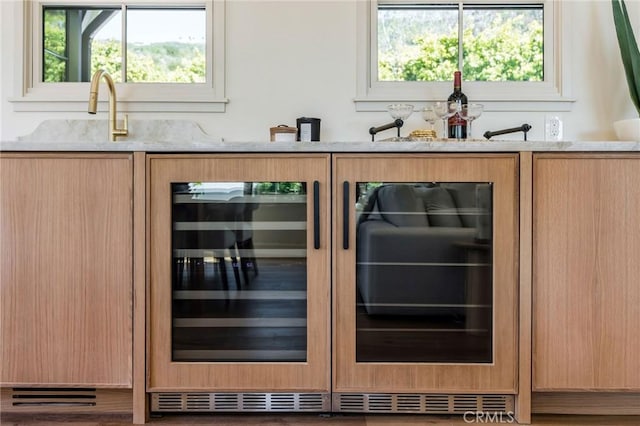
[[313, 420]]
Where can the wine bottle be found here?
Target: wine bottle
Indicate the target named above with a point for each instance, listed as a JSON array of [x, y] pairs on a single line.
[[457, 125]]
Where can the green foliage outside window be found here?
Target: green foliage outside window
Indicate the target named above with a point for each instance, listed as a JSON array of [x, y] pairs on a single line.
[[165, 62], [149, 63], [107, 55], [55, 46], [507, 50]]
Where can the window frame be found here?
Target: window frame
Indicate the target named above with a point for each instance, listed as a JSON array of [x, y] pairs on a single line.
[[552, 94], [36, 95]]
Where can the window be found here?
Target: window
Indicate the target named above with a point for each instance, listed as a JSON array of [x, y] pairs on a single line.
[[163, 56], [486, 42], [162, 45], [509, 52]]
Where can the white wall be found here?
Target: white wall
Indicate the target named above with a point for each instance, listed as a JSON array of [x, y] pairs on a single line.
[[287, 59]]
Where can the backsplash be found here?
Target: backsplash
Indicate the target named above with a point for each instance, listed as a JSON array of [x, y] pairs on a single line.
[[97, 131]]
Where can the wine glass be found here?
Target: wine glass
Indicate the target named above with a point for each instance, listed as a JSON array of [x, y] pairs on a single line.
[[400, 111], [444, 110], [430, 116], [469, 113]]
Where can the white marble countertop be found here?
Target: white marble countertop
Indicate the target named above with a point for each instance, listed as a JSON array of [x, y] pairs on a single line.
[[165, 136], [275, 147]]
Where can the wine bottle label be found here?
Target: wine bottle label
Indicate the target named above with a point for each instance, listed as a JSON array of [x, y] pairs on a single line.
[[456, 120]]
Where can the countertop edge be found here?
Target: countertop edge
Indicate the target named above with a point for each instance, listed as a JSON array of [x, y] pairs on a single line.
[[322, 147]]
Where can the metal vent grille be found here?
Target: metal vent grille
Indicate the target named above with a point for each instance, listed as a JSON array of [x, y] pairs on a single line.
[[349, 402], [169, 402], [283, 402], [464, 403], [198, 402], [53, 397], [436, 404], [236, 402], [313, 402], [226, 401], [492, 403], [421, 403], [254, 402], [409, 403], [380, 402]]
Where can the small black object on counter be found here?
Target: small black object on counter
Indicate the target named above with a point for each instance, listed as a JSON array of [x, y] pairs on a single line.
[[308, 129]]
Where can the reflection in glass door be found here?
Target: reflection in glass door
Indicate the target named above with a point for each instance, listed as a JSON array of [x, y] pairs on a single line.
[[239, 285], [424, 272], [426, 275]]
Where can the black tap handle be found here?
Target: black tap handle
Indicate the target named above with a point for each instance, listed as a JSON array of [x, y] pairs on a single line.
[[397, 123], [524, 128]]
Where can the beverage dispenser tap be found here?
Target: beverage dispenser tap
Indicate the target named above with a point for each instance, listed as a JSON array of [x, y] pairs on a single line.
[[524, 128], [397, 123]]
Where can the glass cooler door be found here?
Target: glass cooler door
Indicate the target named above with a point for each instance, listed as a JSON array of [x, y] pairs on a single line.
[[426, 277], [424, 272], [239, 284], [239, 271]]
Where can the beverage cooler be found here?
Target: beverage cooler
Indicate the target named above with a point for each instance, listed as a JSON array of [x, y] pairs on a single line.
[[240, 286], [346, 283], [425, 283]]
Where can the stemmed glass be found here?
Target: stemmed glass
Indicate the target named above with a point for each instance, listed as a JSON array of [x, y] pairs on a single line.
[[469, 113], [430, 116], [444, 110], [400, 111]]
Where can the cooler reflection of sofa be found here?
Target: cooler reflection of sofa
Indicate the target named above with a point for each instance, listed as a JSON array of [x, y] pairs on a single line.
[[410, 244]]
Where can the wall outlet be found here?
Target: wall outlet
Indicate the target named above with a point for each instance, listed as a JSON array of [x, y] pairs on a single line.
[[552, 128]]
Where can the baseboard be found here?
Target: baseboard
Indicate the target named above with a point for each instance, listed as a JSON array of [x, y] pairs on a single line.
[[67, 401], [595, 403]]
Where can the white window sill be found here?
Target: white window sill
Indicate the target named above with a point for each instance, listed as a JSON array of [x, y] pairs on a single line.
[[544, 105], [29, 104]]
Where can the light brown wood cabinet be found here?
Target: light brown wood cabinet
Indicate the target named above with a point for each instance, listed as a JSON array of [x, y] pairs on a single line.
[[66, 274], [586, 272], [66, 271]]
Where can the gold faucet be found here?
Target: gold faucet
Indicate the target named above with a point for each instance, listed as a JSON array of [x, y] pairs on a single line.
[[93, 103]]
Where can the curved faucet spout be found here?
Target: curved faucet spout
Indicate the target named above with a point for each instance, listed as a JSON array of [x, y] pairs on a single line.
[[114, 132]]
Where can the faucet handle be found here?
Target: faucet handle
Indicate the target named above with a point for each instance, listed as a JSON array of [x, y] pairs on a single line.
[[121, 132]]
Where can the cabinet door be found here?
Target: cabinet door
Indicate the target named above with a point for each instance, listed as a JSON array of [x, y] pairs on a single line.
[[425, 295], [66, 272], [586, 306], [240, 289]]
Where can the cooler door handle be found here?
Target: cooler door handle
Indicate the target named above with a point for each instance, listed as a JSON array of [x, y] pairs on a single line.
[[345, 215], [316, 214]]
